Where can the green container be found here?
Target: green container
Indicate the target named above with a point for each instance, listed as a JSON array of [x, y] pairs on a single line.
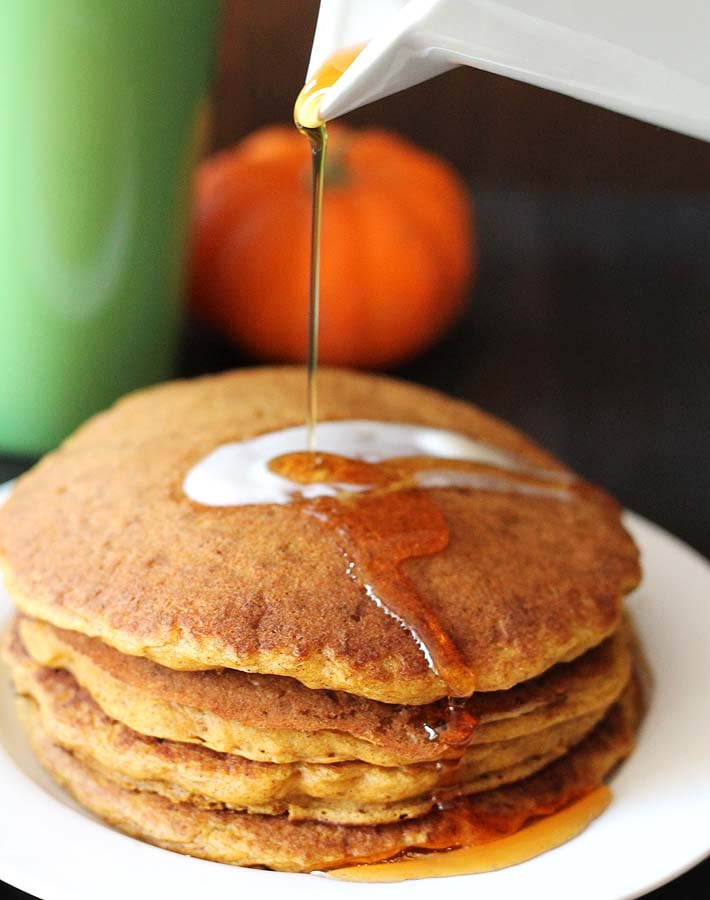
[[102, 110]]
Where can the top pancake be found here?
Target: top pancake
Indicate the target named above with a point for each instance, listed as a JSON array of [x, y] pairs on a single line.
[[100, 538]]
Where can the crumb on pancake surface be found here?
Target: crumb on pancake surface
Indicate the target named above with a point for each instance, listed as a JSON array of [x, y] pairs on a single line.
[[99, 538]]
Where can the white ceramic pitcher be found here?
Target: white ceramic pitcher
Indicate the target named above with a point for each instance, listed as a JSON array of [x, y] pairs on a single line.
[[647, 58]]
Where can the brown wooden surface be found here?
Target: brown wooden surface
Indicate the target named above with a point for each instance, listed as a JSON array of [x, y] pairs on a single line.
[[491, 127]]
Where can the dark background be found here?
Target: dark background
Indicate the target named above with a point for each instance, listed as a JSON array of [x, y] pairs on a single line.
[[590, 323]]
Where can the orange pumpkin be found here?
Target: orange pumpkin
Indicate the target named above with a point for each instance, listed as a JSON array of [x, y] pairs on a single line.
[[397, 255]]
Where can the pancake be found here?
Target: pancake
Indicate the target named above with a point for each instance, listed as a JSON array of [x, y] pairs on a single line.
[[344, 793], [277, 842], [100, 538], [278, 719]]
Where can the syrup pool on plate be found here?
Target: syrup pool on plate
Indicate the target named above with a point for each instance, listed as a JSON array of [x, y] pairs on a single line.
[[542, 835]]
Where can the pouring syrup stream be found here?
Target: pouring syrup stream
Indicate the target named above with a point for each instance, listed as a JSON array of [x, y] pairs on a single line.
[[318, 138], [309, 123]]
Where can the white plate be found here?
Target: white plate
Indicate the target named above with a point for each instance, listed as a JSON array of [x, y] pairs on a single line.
[[657, 826]]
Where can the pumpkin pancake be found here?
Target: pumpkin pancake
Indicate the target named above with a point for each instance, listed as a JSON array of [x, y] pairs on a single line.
[[278, 719], [278, 842], [101, 539], [344, 793]]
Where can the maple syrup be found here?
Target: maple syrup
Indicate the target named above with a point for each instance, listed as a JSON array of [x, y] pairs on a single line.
[[306, 111], [384, 519], [377, 531], [238, 473], [542, 835], [318, 138], [309, 123]]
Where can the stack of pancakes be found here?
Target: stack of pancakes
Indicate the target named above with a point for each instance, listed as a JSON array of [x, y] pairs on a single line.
[[208, 678]]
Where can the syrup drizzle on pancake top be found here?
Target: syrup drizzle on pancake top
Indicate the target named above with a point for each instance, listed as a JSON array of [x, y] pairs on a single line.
[[376, 503]]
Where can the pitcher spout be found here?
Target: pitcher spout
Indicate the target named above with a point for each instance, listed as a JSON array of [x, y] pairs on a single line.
[[647, 60]]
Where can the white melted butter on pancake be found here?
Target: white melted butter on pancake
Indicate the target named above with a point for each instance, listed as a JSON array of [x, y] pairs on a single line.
[[238, 474]]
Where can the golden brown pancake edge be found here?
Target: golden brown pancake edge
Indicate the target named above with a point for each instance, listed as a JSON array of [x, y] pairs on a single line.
[[279, 720], [276, 842], [345, 793]]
